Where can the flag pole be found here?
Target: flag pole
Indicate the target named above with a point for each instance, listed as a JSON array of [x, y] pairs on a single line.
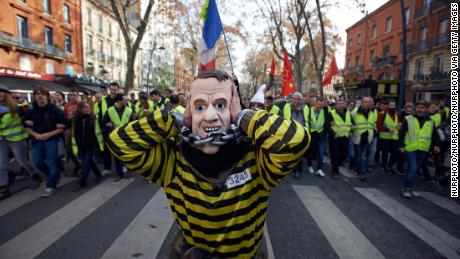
[[226, 44]]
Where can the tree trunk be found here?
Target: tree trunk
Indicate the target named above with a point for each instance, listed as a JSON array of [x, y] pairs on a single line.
[[130, 74], [298, 69]]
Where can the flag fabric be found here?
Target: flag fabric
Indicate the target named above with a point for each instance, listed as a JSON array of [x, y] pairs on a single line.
[[288, 86], [331, 72], [212, 29], [272, 74]]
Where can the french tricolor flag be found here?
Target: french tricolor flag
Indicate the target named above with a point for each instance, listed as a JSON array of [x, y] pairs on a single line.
[[212, 29]]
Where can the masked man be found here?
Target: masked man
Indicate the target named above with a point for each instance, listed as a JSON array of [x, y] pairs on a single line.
[[216, 180]]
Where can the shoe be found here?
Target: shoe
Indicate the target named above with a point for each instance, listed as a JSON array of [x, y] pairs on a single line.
[[49, 192], [310, 170], [4, 193], [125, 170], [118, 178], [406, 193], [335, 176], [35, 184], [400, 172], [106, 172], [414, 193], [320, 173], [297, 175]]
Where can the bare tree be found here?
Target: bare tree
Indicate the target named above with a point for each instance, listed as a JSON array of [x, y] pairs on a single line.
[[123, 9], [256, 67]]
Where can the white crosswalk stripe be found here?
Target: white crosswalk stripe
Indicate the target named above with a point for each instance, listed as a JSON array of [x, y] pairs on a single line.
[[443, 242], [442, 202], [342, 234], [146, 233], [41, 235], [342, 170], [270, 253], [24, 197]]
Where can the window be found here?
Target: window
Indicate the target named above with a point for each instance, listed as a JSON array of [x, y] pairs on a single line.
[[357, 60], [386, 50], [443, 26], [24, 63], [118, 34], [89, 17], [68, 43], [69, 70], [48, 36], [110, 54], [65, 13], [422, 36], [89, 42], [358, 41], [101, 46], [49, 67], [100, 23], [426, 4], [46, 6], [110, 29], [349, 63], [407, 15], [23, 30], [374, 32], [350, 43], [439, 63], [388, 25], [372, 55], [419, 67]]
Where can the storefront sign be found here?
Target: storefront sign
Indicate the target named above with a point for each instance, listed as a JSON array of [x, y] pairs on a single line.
[[11, 72]]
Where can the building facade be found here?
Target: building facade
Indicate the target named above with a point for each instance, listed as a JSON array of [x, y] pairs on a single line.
[[183, 77], [41, 36], [104, 49]]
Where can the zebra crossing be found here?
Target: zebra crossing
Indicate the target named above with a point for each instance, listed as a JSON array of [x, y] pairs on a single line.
[[304, 221]]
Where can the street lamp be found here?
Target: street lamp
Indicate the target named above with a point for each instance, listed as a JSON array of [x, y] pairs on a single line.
[[150, 63]]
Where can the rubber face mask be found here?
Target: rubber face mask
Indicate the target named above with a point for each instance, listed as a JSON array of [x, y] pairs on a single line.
[[210, 109]]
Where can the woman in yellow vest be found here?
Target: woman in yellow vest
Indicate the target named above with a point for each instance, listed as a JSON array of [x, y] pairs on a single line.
[[12, 140], [415, 139], [85, 134]]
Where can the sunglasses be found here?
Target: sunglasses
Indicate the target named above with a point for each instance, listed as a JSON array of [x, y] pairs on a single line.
[[16, 98]]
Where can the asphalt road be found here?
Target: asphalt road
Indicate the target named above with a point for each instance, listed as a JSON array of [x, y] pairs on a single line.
[[308, 218]]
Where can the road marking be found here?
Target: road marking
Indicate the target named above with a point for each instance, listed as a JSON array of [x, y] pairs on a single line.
[[342, 170], [443, 202], [19, 199], [342, 234], [40, 236], [146, 233], [443, 242], [270, 253]]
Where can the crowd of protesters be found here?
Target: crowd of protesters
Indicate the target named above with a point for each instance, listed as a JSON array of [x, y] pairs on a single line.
[[52, 130]]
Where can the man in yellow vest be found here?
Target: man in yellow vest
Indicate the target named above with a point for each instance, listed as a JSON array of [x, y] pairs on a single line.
[[317, 120], [107, 102], [175, 105], [339, 128], [143, 107], [160, 101], [415, 139], [388, 124], [117, 116], [363, 134], [270, 107], [372, 148], [299, 112]]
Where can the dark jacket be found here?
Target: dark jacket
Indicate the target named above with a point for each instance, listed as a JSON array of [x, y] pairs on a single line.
[[45, 118], [85, 133]]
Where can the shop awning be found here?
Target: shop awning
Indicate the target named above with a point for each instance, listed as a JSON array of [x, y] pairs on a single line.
[[29, 84], [93, 89], [440, 87]]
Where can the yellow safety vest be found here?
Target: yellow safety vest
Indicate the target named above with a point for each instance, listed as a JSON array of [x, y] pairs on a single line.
[[392, 125], [11, 128], [116, 120], [104, 105], [180, 109], [317, 124], [306, 113], [97, 131], [137, 108], [340, 127], [437, 119], [418, 139], [362, 125]]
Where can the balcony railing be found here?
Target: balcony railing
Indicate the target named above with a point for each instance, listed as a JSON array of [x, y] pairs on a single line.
[[431, 77], [110, 59], [438, 41], [100, 56], [30, 45], [380, 62], [355, 70], [428, 9], [89, 52]]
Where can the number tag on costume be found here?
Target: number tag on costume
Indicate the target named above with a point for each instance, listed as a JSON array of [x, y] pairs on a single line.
[[238, 179]]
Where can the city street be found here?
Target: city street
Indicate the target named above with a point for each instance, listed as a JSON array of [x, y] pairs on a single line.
[[311, 218]]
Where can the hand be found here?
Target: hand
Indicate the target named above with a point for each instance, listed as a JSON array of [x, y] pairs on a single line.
[[29, 123], [60, 126], [401, 150], [235, 105], [38, 136], [336, 136], [436, 149], [109, 125]]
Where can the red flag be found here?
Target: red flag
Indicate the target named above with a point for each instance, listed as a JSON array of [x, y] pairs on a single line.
[[288, 86], [331, 72], [272, 68]]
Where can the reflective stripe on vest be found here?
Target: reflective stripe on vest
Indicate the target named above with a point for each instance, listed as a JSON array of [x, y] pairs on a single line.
[[306, 112], [317, 123], [362, 125], [11, 128], [416, 138], [113, 115], [340, 127], [99, 137], [392, 125]]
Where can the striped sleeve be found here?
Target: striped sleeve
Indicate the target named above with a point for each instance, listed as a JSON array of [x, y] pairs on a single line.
[[145, 147], [279, 145]]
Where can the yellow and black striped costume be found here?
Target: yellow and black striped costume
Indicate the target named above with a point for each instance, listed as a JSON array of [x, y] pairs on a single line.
[[225, 222]]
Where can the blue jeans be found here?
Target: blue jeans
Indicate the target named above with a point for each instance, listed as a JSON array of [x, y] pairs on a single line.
[[360, 158], [414, 161], [88, 164], [46, 151], [318, 149], [370, 152]]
